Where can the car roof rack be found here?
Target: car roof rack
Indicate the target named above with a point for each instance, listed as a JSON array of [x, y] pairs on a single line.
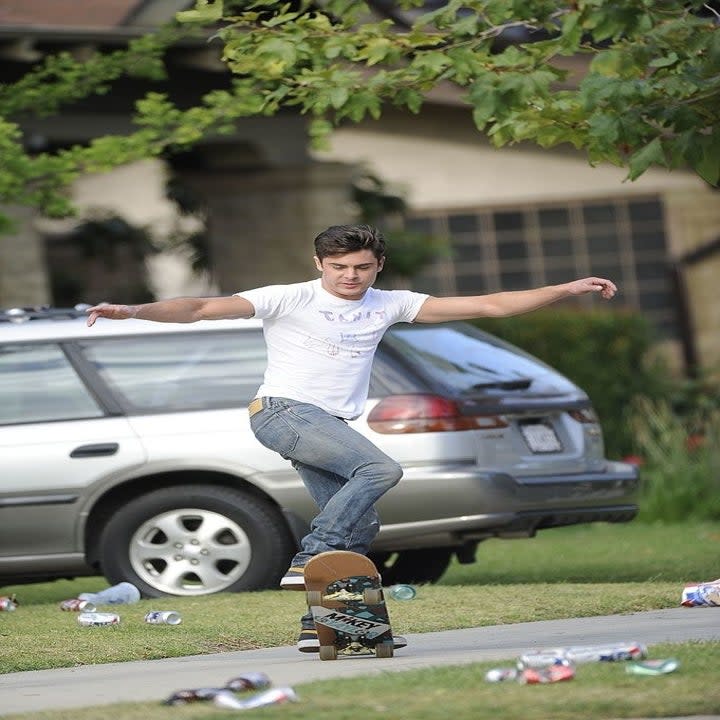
[[42, 312]]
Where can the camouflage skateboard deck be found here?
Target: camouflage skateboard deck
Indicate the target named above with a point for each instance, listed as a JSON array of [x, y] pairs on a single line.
[[345, 597]]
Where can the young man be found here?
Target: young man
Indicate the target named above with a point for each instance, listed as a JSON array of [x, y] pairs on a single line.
[[321, 336]]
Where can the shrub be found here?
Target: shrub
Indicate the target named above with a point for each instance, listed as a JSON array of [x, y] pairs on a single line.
[[681, 462], [604, 352]]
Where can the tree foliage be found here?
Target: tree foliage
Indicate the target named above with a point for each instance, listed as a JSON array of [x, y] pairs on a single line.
[[650, 96]]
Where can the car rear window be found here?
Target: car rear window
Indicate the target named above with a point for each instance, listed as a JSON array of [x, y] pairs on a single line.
[[188, 371], [465, 359]]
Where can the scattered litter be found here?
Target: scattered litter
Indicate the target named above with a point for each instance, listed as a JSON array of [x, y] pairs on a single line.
[[8, 603], [241, 683], [123, 593], [402, 592], [277, 696], [557, 672], [163, 617], [77, 605], [98, 619], [706, 594], [653, 667], [612, 652]]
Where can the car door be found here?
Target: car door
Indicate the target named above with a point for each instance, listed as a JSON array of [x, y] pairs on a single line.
[[56, 442]]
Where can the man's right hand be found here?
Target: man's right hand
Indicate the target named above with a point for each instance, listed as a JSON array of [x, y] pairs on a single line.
[[111, 312]]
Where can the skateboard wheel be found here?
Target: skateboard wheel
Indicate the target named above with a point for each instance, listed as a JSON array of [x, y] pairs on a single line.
[[314, 597], [383, 650], [372, 596], [329, 652]]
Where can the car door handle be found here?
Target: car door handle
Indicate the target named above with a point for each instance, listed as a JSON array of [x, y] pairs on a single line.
[[99, 450]]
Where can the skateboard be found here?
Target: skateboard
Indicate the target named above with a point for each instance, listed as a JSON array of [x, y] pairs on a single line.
[[347, 604]]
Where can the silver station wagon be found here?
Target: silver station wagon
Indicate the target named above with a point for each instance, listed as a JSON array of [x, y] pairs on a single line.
[[126, 451]]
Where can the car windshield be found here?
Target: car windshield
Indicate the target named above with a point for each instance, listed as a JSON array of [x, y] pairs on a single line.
[[466, 359]]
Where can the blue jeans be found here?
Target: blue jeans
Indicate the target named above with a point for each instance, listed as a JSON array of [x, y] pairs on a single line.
[[342, 470]]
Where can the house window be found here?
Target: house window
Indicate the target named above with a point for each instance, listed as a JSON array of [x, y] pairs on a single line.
[[533, 245]]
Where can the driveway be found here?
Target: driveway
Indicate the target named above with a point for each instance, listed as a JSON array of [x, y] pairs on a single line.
[[154, 680]]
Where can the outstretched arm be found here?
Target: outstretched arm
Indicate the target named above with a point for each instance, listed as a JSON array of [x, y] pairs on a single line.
[[177, 310], [503, 304]]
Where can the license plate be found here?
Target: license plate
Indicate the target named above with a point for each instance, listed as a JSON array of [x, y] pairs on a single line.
[[541, 438]]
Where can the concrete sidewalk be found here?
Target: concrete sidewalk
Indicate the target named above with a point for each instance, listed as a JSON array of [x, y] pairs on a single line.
[[157, 679]]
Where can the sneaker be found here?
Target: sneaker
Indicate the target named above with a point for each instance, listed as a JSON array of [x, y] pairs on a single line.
[[294, 578], [308, 641]]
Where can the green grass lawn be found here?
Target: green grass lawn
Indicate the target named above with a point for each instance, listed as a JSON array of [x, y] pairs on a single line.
[[594, 570]]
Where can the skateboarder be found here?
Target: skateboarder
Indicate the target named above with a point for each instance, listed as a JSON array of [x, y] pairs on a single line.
[[321, 336]]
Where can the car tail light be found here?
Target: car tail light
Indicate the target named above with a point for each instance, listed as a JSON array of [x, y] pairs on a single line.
[[586, 415], [426, 413]]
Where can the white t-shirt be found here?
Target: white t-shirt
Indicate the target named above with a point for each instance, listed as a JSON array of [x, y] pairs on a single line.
[[321, 347]]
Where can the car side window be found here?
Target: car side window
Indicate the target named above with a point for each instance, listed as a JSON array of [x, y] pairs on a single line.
[[38, 384], [189, 371]]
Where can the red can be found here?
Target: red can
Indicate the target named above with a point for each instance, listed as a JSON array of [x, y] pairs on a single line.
[[77, 605]]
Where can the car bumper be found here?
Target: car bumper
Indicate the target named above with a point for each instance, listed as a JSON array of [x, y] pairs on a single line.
[[500, 505]]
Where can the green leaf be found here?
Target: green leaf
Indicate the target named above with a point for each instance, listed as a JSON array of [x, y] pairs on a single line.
[[205, 12], [338, 97], [666, 61], [652, 154], [708, 165]]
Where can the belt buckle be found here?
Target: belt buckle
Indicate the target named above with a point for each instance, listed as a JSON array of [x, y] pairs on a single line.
[[255, 406]]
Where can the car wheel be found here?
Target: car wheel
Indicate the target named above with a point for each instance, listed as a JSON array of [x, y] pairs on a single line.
[[413, 566], [196, 540]]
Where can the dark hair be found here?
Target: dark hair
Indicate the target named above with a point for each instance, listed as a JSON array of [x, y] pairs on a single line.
[[342, 239]]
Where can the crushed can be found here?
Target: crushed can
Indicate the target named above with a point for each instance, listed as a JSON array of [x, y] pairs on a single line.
[[576, 654], [8, 603], [248, 681], [501, 674], [278, 696], [551, 674], [77, 605], [652, 667], [97, 619], [163, 617], [701, 594], [241, 683], [541, 659]]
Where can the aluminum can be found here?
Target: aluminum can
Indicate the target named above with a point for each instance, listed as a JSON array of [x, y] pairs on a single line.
[[576, 654], [97, 619], [77, 605], [606, 653], [248, 681], [277, 696], [402, 592], [184, 697], [710, 593], [551, 674], [163, 617], [542, 659], [701, 594], [652, 667], [501, 674], [8, 604]]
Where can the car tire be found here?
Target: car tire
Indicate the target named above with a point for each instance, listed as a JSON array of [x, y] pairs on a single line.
[[196, 540], [413, 567]]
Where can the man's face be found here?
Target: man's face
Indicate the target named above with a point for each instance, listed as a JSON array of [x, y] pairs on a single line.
[[349, 276]]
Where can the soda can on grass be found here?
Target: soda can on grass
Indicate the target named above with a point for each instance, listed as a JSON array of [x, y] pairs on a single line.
[[8, 604], [163, 617], [97, 619], [77, 605], [248, 681]]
